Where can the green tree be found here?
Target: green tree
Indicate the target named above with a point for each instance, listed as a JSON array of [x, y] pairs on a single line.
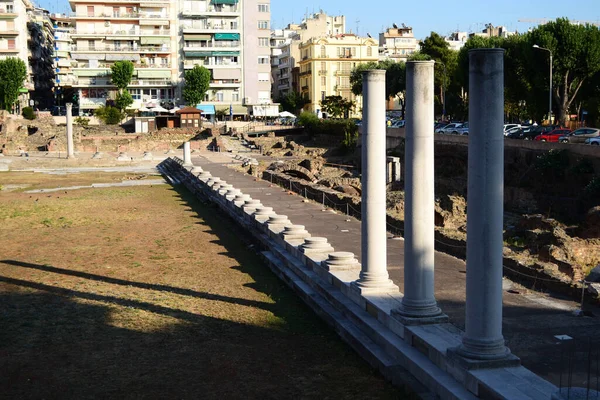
[[123, 100], [197, 82], [13, 73], [395, 78], [121, 74], [337, 106], [576, 51], [293, 101]]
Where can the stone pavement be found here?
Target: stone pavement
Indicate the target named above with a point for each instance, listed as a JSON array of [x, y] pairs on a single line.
[[530, 319]]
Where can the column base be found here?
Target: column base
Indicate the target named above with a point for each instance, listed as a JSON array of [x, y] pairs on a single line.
[[371, 287], [409, 317], [480, 357]]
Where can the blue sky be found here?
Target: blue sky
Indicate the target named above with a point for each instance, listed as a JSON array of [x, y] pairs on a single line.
[[424, 16]]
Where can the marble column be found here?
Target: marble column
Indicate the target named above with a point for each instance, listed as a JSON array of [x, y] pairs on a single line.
[[373, 275], [187, 155], [70, 144], [483, 338]]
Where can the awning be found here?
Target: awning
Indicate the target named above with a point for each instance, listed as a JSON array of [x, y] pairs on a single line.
[[227, 36], [154, 21], [124, 56], [76, 56], [237, 109], [224, 1], [207, 109], [267, 110], [227, 73], [225, 53], [197, 53], [149, 73], [155, 40], [191, 36], [91, 72]]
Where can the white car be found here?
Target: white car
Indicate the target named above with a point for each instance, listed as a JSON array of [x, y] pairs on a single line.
[[449, 128], [508, 127], [593, 141]]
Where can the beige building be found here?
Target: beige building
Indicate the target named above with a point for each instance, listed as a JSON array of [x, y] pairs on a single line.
[[13, 28], [326, 64], [286, 55], [397, 43], [143, 31]]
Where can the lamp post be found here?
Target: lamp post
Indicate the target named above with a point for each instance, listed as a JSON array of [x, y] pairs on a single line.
[[535, 46], [443, 91]]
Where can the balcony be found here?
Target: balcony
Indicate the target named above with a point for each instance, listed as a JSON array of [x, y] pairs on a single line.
[[11, 50], [213, 12], [342, 73], [309, 72], [305, 87], [11, 32], [6, 13], [125, 49], [207, 28], [106, 16], [322, 72], [225, 83], [153, 16]]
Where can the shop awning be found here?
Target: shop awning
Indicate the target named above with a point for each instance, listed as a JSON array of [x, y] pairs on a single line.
[[227, 73], [224, 1], [119, 57], [155, 40], [207, 109], [191, 36], [197, 53], [227, 36], [225, 53], [237, 109], [150, 73]]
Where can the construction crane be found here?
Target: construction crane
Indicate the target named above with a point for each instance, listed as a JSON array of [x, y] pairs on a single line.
[[542, 21]]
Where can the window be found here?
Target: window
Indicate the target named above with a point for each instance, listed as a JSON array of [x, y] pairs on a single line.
[[323, 51], [263, 8], [11, 44], [90, 11], [219, 96], [322, 95], [263, 42], [116, 12], [10, 8], [233, 25], [369, 51], [235, 97], [323, 81], [264, 77], [263, 60], [135, 94], [263, 24]]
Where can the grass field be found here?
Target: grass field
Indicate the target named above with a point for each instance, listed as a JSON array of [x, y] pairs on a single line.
[[144, 292]]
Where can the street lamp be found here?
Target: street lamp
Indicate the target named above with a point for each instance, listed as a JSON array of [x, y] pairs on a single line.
[[535, 46], [443, 91]]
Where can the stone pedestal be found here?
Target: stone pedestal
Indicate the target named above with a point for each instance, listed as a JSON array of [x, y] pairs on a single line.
[[187, 155], [340, 261], [240, 198]]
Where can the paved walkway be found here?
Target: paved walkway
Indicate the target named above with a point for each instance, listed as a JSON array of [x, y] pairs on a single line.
[[531, 319]]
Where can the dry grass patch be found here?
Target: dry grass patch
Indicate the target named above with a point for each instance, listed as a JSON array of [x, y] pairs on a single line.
[[145, 293]]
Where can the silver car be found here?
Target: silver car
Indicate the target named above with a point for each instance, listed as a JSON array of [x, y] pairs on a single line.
[[463, 129], [580, 135], [449, 128]]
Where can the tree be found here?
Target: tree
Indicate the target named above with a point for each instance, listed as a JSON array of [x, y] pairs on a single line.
[[337, 106], [13, 73], [197, 82], [293, 101], [123, 100], [576, 51], [121, 74], [395, 78]]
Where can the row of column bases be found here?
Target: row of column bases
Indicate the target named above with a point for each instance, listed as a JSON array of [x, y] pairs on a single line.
[[483, 338]]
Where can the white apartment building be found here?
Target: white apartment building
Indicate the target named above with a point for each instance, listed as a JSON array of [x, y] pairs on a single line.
[[13, 28], [142, 31], [397, 43]]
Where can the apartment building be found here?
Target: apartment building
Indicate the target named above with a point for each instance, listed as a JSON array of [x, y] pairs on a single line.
[[326, 64], [63, 64], [397, 43], [144, 32], [41, 52], [285, 68], [13, 28]]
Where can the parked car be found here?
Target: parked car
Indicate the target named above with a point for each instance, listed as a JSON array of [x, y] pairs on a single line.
[[580, 135], [508, 127], [593, 141], [552, 136], [529, 132], [398, 123], [463, 129], [449, 128]]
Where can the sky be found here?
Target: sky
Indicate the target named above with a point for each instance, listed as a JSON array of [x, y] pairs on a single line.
[[424, 16]]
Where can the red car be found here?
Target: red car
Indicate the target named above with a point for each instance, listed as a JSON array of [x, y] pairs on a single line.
[[552, 136]]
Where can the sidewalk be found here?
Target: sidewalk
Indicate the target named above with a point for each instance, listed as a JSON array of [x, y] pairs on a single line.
[[531, 319]]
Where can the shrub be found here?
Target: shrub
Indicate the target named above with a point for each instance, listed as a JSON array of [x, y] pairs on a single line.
[[82, 121], [349, 142], [28, 113], [109, 115], [308, 119]]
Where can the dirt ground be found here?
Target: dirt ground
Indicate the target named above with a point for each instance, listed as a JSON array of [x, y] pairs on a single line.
[[143, 292]]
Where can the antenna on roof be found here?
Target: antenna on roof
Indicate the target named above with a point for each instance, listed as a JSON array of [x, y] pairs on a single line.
[[357, 26]]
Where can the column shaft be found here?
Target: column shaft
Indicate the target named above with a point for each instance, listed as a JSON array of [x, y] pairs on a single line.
[[373, 226], [187, 154], [70, 145], [483, 328], [419, 229]]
